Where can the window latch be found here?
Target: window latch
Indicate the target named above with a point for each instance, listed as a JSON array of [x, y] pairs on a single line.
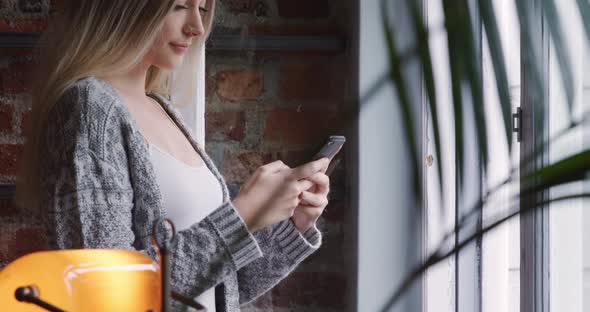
[[517, 123]]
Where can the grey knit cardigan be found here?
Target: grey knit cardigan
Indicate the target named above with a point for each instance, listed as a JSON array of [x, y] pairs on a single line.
[[99, 190]]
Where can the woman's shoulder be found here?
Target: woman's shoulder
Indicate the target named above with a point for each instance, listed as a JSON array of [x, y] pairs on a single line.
[[96, 89], [89, 113], [88, 98]]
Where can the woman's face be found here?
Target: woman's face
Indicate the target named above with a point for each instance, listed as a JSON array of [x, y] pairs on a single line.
[[181, 26]]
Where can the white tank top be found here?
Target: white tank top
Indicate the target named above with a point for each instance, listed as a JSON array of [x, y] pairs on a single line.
[[189, 194]]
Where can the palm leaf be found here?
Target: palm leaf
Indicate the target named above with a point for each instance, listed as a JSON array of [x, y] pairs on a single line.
[[477, 234], [404, 99], [456, 81], [560, 51], [488, 17], [474, 74], [465, 75], [428, 75], [570, 169], [584, 8]]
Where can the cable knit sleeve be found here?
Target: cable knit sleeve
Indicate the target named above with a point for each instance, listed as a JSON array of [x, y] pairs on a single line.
[[88, 200], [284, 247]]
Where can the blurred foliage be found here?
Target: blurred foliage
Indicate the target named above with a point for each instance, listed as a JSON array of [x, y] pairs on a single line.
[[464, 64]]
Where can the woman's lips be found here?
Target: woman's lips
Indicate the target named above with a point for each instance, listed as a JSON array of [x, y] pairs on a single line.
[[179, 48]]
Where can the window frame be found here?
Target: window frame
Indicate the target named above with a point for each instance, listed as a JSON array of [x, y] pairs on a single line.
[[534, 226], [194, 113]]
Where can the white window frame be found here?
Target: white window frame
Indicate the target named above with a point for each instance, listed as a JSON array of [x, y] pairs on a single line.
[[194, 112]]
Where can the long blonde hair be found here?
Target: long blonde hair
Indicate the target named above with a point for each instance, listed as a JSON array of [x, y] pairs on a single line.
[[92, 38]]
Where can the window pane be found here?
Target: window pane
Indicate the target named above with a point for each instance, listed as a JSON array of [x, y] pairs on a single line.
[[569, 240], [440, 279], [500, 247]]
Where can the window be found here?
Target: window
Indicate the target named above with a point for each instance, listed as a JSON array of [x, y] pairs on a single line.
[[538, 261], [569, 222]]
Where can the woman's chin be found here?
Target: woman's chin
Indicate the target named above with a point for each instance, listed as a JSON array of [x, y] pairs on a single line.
[[172, 65]]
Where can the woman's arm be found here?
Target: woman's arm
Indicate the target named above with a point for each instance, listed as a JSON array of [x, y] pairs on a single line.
[[90, 202], [284, 247]]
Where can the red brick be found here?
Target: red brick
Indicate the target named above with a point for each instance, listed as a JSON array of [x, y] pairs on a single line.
[[308, 81], [262, 302], [240, 84], [6, 243], [31, 6], [335, 211], [9, 155], [306, 9], [251, 7], [240, 6], [6, 118], [299, 157], [19, 240], [56, 5], [29, 240], [225, 125], [239, 166], [25, 122], [16, 78], [329, 257], [210, 85], [22, 25], [292, 127], [7, 208], [296, 158], [18, 52], [311, 289]]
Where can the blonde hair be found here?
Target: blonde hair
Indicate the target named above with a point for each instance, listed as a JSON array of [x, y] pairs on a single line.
[[92, 38]]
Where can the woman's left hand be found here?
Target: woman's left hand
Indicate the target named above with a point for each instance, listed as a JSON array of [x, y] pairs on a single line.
[[313, 201]]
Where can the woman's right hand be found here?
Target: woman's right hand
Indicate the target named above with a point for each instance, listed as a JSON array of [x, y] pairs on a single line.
[[271, 194]]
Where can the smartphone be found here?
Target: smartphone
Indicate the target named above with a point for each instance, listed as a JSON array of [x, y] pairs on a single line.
[[330, 149]]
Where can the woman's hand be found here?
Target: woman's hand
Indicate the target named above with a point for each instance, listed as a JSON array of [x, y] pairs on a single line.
[[271, 194], [313, 201]]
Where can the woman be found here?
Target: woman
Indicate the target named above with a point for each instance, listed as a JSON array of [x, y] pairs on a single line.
[[108, 156]]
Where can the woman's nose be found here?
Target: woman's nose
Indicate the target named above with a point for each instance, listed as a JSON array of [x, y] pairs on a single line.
[[195, 26]]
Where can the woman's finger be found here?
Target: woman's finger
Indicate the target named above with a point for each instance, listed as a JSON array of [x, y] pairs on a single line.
[[274, 166], [308, 169], [322, 181], [312, 210], [316, 200], [304, 184]]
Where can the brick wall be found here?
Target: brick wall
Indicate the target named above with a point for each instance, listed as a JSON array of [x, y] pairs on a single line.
[[264, 106], [17, 236], [261, 106]]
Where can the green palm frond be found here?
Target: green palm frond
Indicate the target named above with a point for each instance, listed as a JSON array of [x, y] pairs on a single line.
[[560, 51], [428, 74], [396, 76], [488, 17]]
